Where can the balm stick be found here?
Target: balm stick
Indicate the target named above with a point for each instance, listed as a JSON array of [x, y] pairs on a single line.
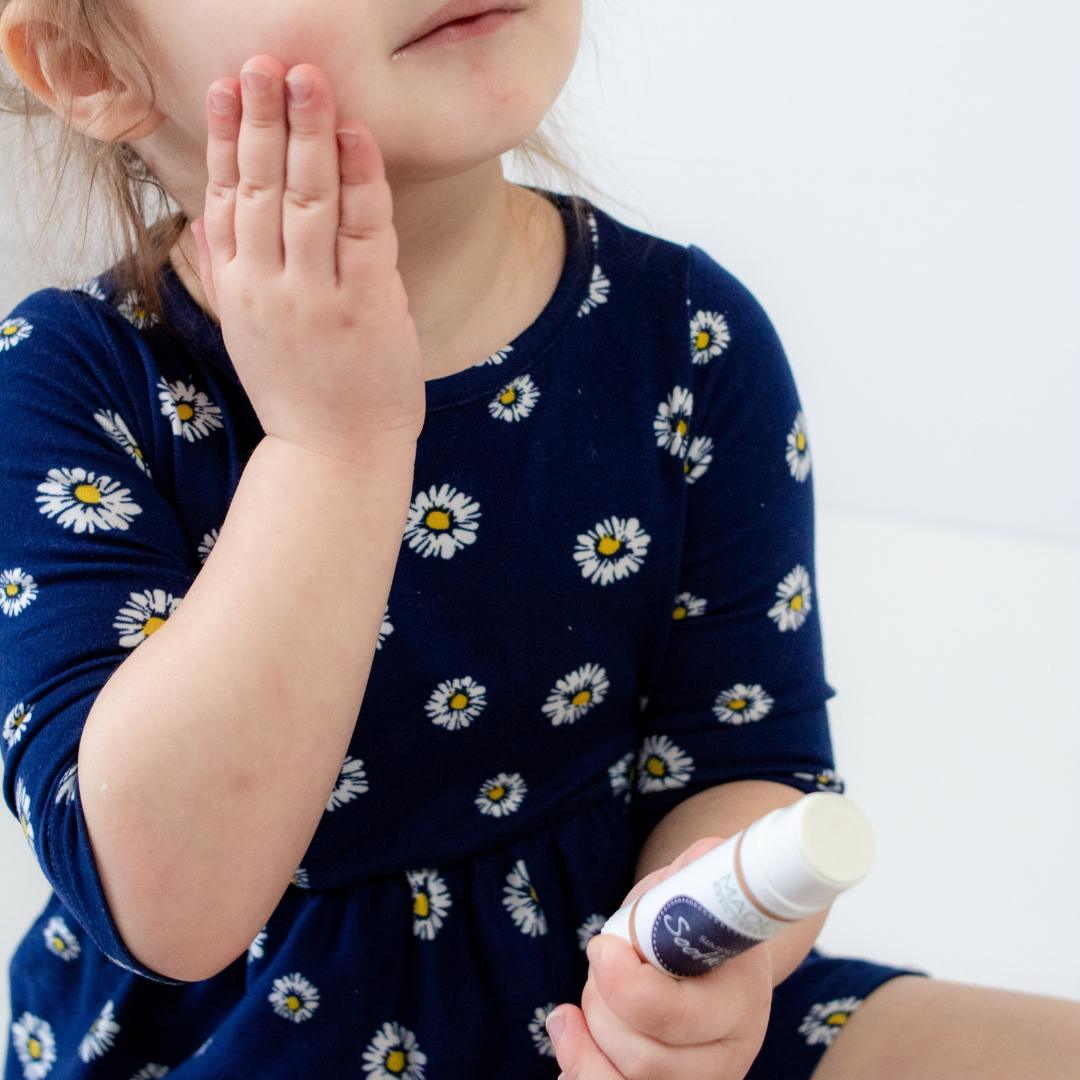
[[782, 867]]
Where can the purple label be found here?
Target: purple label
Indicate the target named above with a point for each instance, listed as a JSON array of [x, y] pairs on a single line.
[[689, 940]]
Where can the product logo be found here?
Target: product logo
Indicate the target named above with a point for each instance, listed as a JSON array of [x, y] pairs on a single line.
[[689, 940]]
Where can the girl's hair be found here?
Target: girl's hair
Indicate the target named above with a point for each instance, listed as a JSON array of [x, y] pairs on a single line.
[[107, 30]]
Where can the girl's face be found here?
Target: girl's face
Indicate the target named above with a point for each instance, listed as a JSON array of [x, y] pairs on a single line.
[[436, 109]]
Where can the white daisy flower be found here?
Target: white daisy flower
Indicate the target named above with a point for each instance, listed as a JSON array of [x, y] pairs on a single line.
[[12, 331], [34, 1045], [798, 449], [386, 629], [393, 1054], [190, 412], [128, 305], [206, 544], [611, 549], [22, 810], [456, 703], [589, 929], [144, 613], [497, 357], [688, 606], [300, 878], [515, 400], [538, 1029], [16, 591], [92, 287], [709, 335], [86, 501], [430, 902], [826, 1019], [501, 795], [742, 704], [599, 288], [441, 521], [593, 230], [255, 950], [151, 1072], [826, 780], [66, 788], [662, 765], [101, 1035], [293, 997], [698, 458], [351, 782], [522, 901], [621, 775], [120, 433], [672, 421], [793, 607], [15, 722], [60, 940], [576, 693]]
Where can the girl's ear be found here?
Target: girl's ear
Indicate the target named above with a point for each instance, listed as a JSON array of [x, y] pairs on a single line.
[[64, 73]]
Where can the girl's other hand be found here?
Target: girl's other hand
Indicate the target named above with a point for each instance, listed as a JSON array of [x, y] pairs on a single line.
[[638, 1023], [298, 259]]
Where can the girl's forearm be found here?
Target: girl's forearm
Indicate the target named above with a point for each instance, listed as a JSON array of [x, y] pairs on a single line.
[[722, 811]]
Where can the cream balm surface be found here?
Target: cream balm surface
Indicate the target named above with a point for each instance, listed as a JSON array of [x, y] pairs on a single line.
[[782, 867]]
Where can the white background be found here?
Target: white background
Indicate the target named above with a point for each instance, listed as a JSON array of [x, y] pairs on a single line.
[[897, 185]]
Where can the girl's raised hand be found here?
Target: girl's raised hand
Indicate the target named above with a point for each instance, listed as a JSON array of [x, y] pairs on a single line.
[[638, 1023], [298, 259]]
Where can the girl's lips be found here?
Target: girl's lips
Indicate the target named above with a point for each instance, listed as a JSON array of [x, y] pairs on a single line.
[[463, 29]]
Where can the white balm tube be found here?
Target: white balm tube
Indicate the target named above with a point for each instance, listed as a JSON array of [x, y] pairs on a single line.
[[782, 867]]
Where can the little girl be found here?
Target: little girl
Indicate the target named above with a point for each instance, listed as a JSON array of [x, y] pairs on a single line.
[[421, 567]]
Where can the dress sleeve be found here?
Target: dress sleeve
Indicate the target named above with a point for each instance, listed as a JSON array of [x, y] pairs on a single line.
[[93, 561], [740, 692]]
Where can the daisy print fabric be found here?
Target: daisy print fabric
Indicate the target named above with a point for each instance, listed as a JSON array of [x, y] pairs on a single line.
[[603, 601]]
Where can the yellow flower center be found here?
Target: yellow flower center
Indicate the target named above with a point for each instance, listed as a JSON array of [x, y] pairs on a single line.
[[184, 411], [655, 765], [437, 519], [459, 700], [582, 697], [800, 440], [679, 612], [796, 602], [737, 703], [508, 395], [420, 905], [154, 623], [837, 1019], [395, 1061], [532, 893], [33, 1047], [608, 545], [293, 1002], [702, 340], [87, 493], [11, 588], [58, 943], [496, 793]]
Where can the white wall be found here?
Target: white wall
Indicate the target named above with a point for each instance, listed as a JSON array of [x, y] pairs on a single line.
[[896, 183]]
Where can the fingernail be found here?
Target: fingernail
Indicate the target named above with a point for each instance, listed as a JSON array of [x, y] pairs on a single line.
[[555, 1024], [222, 101], [299, 89], [258, 82], [349, 139], [594, 950]]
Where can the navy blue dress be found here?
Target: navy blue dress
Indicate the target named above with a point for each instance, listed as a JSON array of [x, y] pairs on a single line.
[[604, 602]]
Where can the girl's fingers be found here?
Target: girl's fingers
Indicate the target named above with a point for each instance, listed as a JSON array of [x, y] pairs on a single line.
[[578, 1055], [206, 268], [312, 181], [223, 125], [260, 156], [366, 203]]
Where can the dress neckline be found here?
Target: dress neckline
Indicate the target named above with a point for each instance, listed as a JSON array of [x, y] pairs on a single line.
[[458, 388]]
